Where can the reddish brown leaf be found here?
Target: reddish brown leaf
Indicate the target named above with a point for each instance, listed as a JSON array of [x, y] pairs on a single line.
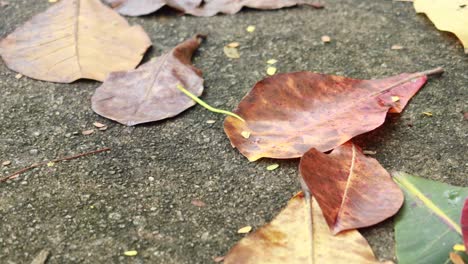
[[149, 93], [199, 7], [353, 190], [288, 114], [299, 234], [74, 39], [464, 224]]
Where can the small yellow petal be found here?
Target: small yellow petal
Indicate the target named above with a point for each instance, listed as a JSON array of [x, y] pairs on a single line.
[[233, 45], [272, 61], [271, 71], [273, 167], [427, 113], [250, 29], [395, 98], [50, 164], [131, 253], [459, 247], [245, 134], [244, 230]]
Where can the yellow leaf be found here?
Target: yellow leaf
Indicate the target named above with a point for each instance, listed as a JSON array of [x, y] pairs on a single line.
[[300, 234], [245, 134], [131, 253], [271, 71], [50, 164], [232, 53], [427, 113], [273, 167], [446, 15], [395, 99], [244, 230], [250, 29]]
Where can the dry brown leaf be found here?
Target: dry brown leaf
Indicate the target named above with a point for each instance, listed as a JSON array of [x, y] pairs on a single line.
[[87, 132], [150, 92], [98, 125], [456, 259], [299, 234], [6, 163], [218, 259], [446, 15], [74, 39]]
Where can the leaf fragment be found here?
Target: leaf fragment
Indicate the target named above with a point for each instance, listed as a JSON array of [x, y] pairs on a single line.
[[456, 259], [272, 61], [244, 230], [245, 134], [326, 39], [289, 113], [6, 163], [149, 93], [131, 253], [297, 235], [232, 53], [74, 39], [272, 167], [271, 71], [353, 190], [87, 132], [250, 29], [233, 45]]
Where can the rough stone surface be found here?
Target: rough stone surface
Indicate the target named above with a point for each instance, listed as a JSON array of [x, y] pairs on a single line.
[[138, 196]]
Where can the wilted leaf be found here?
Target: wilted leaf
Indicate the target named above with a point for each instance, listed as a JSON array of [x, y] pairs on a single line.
[[464, 224], [352, 189], [299, 234], [426, 228], [149, 93], [199, 7], [446, 15], [74, 39], [288, 114]]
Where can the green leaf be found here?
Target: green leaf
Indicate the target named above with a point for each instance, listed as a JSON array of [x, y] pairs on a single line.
[[427, 227]]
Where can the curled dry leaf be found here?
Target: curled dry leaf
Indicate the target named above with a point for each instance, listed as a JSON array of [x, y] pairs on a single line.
[[74, 39], [427, 226], [149, 93], [446, 15], [288, 114], [299, 234], [352, 189], [199, 7]]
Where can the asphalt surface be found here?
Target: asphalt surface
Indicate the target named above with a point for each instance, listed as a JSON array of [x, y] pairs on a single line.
[[139, 195]]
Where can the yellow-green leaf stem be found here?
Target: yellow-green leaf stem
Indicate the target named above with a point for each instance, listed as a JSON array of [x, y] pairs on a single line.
[[205, 105]]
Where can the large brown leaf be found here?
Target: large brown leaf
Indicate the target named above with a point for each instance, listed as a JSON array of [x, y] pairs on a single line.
[[288, 114], [74, 39], [149, 93], [353, 190], [299, 234], [198, 7]]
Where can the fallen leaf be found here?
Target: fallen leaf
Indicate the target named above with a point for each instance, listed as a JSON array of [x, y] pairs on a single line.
[[74, 39], [244, 230], [272, 167], [18, 76], [6, 163], [50, 164], [98, 125], [456, 259], [272, 61], [288, 114], [199, 7], [149, 93], [218, 259], [210, 121], [396, 47], [232, 53], [250, 29], [41, 258], [353, 190], [447, 16], [233, 45], [326, 39], [297, 235], [427, 227], [198, 203], [87, 132], [427, 113], [271, 71], [131, 253], [464, 224]]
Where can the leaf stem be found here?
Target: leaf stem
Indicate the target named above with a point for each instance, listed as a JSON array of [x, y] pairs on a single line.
[[205, 105]]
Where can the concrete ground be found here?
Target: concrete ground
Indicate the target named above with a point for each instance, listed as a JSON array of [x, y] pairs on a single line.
[[138, 196]]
